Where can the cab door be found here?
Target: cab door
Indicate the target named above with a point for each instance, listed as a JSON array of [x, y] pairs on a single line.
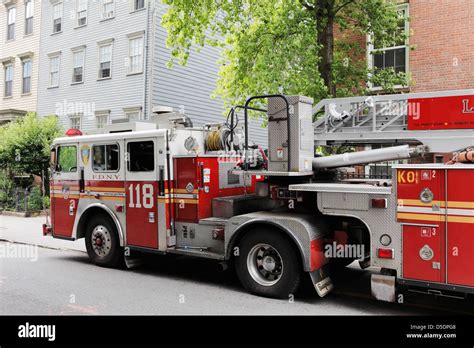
[[64, 187], [141, 190]]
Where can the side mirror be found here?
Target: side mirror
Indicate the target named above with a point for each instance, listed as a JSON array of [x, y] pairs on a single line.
[[52, 160]]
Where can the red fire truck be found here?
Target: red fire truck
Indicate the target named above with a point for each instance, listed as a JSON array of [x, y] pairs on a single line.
[[164, 186]]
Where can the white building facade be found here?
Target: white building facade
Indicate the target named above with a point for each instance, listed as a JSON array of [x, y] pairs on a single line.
[[20, 23], [103, 60]]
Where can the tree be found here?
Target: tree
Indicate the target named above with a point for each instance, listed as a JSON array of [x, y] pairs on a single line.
[[285, 46], [25, 144]]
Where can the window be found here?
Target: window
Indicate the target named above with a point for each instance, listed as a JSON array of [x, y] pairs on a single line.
[[133, 113], [67, 159], [75, 121], [54, 71], [8, 80], [57, 17], [138, 4], [105, 61], [141, 156], [108, 8], [105, 158], [81, 13], [135, 55], [78, 66], [11, 18], [26, 86], [29, 9], [101, 119], [396, 56]]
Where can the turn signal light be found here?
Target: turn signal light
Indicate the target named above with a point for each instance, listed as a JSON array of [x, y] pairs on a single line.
[[119, 208], [385, 253]]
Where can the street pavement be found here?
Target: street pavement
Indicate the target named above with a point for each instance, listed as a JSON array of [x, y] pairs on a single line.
[[56, 277]]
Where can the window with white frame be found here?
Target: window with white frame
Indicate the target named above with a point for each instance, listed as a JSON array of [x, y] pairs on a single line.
[[108, 9], [11, 19], [132, 113], [57, 17], [101, 119], [8, 87], [29, 10], [81, 12], [135, 54], [396, 56], [105, 61], [26, 83], [78, 60], [138, 4], [75, 121], [54, 62]]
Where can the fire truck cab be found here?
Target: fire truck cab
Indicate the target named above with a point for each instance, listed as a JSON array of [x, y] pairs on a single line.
[[164, 186]]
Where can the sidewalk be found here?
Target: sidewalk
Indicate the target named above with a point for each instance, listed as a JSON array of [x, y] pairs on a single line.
[[29, 231]]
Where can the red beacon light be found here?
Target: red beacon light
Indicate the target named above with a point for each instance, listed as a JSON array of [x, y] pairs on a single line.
[[72, 132]]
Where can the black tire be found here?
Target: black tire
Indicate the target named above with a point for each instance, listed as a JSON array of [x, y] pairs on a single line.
[[288, 280], [111, 254]]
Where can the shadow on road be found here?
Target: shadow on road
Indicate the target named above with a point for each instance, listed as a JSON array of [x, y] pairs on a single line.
[[350, 283]]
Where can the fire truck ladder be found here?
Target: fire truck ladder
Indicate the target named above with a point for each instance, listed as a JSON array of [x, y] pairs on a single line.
[[384, 119]]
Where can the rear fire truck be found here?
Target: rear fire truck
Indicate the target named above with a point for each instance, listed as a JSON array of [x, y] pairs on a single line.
[[164, 186]]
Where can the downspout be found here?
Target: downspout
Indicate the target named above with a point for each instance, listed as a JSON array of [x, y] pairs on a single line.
[[146, 78]]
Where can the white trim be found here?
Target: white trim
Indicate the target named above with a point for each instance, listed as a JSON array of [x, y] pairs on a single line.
[[131, 37], [102, 4], [370, 48], [53, 56], [100, 44]]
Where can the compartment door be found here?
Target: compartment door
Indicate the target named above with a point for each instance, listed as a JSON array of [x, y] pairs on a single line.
[[141, 190], [460, 231], [422, 253], [421, 210]]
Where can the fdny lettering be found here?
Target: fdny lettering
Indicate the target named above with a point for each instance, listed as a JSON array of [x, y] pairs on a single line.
[[406, 177], [466, 109], [106, 177]]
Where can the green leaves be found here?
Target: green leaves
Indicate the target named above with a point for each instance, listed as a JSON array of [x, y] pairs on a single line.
[[25, 144], [271, 46]]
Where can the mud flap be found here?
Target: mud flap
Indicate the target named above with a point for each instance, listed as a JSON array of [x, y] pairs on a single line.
[[321, 281], [383, 287], [133, 260]]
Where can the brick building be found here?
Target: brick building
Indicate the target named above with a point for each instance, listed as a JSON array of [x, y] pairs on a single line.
[[439, 54]]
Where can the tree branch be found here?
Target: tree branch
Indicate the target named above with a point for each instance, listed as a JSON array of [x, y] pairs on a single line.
[[343, 5]]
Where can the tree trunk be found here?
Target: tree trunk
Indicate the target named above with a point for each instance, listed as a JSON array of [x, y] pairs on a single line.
[[325, 27]]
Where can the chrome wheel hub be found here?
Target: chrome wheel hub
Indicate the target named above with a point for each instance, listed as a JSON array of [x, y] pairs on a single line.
[[101, 241], [265, 264]]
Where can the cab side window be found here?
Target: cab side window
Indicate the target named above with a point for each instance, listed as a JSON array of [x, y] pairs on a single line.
[[141, 156], [105, 158], [67, 159]]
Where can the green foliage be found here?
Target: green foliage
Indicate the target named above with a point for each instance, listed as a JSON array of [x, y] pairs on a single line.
[[7, 192], [25, 144], [67, 160], [277, 46], [35, 199]]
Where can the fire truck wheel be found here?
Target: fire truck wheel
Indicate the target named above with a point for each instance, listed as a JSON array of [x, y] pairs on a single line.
[[268, 264], [102, 243]]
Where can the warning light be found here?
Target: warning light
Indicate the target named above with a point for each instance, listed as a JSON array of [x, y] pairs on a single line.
[[72, 132]]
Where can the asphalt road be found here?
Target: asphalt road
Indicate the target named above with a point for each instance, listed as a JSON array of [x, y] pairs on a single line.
[[48, 280], [64, 282]]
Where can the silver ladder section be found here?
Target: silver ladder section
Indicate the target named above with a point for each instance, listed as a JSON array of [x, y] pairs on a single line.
[[383, 119]]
